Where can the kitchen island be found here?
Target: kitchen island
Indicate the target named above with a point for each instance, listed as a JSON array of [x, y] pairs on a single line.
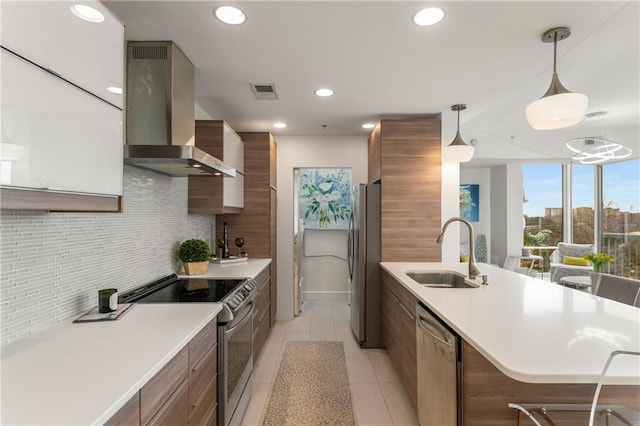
[[84, 373], [524, 339]]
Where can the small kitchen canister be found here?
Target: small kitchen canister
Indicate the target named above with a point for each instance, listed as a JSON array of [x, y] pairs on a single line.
[[107, 300]]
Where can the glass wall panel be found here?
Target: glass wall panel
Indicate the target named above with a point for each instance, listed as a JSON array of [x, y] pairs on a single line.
[[620, 217], [582, 194], [542, 208]]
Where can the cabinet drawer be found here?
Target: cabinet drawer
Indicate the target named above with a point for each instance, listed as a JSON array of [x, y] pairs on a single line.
[[201, 374], [260, 334], [128, 415], [261, 306], [201, 410], [204, 340], [161, 387], [176, 410], [263, 276]]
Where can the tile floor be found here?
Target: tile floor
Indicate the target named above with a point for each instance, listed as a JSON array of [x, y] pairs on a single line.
[[378, 396]]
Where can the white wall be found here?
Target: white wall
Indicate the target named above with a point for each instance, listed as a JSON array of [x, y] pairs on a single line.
[[324, 264], [482, 177], [308, 151], [506, 210], [53, 264], [449, 197]]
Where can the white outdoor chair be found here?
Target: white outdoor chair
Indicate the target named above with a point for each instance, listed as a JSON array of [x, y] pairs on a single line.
[[541, 414], [558, 269]]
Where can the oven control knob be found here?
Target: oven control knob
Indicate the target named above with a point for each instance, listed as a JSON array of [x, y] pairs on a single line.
[[233, 303], [249, 286]]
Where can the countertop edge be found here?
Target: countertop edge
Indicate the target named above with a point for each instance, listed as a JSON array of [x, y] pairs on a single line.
[[117, 405], [392, 269]]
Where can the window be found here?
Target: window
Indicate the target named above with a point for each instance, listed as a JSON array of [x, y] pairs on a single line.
[[542, 204], [620, 216]]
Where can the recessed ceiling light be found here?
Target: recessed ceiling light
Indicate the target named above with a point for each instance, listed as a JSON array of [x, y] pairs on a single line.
[[87, 13], [230, 15], [279, 125], [428, 16], [116, 90], [368, 126], [217, 174], [324, 92]]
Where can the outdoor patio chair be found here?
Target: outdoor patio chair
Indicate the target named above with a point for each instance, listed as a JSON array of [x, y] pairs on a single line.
[[620, 289], [560, 266]]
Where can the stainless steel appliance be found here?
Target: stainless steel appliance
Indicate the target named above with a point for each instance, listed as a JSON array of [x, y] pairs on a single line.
[[235, 332], [160, 124], [363, 253], [439, 371]]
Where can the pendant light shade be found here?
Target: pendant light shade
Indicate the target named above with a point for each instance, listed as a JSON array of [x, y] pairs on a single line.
[[558, 107], [458, 151]]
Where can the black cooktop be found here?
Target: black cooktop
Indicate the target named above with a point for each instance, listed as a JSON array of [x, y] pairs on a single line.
[[171, 290]]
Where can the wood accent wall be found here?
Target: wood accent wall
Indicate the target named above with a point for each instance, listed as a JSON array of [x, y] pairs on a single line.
[[487, 391], [410, 160]]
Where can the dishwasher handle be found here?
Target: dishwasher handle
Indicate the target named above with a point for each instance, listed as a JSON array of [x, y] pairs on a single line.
[[431, 326]]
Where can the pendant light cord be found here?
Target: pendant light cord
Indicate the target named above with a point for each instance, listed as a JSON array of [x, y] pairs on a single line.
[[555, 49]]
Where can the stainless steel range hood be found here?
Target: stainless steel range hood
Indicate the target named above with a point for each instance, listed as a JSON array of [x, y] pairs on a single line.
[[160, 123]]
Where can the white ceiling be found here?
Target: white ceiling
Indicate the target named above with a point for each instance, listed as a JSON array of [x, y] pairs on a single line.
[[487, 55]]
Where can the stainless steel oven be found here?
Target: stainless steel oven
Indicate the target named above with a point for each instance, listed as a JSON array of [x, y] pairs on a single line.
[[235, 366], [235, 332]]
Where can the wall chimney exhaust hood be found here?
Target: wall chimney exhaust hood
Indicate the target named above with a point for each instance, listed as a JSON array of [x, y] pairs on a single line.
[[159, 121]]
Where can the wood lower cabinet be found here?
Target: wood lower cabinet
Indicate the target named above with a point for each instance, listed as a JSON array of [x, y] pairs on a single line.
[[261, 312], [128, 415], [160, 390], [399, 331], [183, 393]]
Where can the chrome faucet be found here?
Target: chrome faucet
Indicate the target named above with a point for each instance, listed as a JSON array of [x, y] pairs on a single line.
[[473, 270]]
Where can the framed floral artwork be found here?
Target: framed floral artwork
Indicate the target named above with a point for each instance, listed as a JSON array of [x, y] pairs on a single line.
[[470, 202], [325, 198]]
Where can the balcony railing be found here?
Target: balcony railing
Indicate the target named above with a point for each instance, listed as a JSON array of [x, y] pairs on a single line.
[[625, 249]]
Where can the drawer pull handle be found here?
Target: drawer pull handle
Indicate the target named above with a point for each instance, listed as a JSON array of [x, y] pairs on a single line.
[[203, 359]]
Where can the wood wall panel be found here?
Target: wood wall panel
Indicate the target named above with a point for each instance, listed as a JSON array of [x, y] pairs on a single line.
[[205, 192], [410, 162], [487, 391], [27, 199]]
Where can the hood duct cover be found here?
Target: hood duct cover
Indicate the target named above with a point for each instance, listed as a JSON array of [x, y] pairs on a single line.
[[160, 124]]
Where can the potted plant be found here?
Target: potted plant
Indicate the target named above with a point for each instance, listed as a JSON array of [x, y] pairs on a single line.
[[195, 254], [598, 260]]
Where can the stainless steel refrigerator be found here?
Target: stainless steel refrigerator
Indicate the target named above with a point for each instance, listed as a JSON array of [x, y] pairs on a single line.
[[363, 253]]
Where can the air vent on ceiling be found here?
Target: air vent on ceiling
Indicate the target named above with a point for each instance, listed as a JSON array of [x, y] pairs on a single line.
[[264, 91], [149, 52]]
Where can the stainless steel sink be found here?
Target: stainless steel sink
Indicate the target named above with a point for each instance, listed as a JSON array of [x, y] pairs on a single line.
[[441, 279]]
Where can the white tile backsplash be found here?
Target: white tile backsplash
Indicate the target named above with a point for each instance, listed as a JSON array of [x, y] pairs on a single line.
[[52, 264]]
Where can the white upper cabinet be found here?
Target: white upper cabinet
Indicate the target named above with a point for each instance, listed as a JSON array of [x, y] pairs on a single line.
[[88, 54], [233, 154], [61, 129]]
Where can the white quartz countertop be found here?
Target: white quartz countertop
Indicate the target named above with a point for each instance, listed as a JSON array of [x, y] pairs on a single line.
[[532, 330], [249, 269], [83, 373]]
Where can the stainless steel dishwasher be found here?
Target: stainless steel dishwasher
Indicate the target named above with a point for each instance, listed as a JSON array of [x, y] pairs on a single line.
[[439, 371]]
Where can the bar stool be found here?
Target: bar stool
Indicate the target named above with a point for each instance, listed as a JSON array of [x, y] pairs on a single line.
[[541, 414]]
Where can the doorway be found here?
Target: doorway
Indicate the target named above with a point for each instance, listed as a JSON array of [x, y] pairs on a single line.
[[322, 209]]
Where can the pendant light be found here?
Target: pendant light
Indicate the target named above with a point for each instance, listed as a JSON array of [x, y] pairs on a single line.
[[458, 151], [558, 107]]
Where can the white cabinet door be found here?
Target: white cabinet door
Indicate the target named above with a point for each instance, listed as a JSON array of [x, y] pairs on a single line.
[[91, 55], [56, 136], [233, 149], [233, 154], [233, 188]]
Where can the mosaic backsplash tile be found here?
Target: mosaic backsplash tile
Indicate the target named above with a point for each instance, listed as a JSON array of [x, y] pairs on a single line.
[[52, 264]]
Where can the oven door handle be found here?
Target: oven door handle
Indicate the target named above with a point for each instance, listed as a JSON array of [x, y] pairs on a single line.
[[247, 317]]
